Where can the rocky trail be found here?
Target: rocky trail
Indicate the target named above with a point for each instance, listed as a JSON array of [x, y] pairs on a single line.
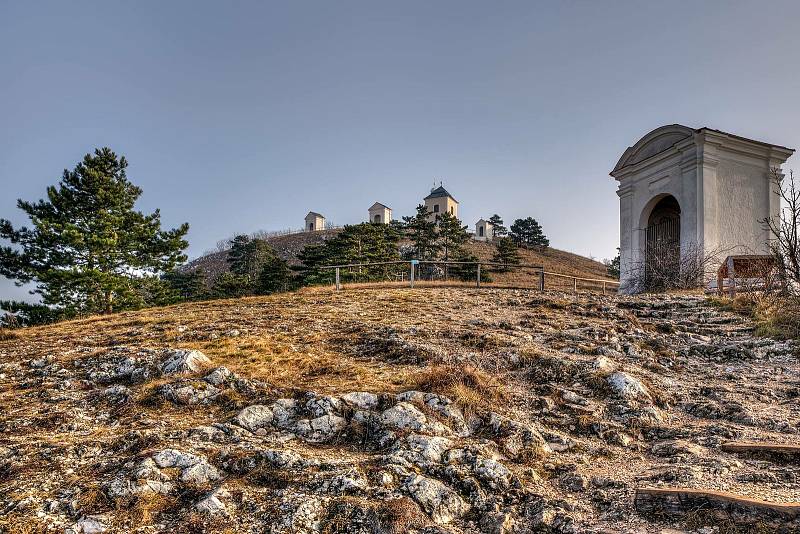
[[393, 410]]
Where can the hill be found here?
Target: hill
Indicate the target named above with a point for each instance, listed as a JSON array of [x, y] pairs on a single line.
[[553, 260], [395, 410], [286, 246]]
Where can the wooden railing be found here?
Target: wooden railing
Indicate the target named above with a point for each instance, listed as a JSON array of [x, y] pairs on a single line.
[[413, 271]]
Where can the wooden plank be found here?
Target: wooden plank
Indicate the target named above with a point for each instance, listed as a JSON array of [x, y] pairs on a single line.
[[765, 448], [680, 501]]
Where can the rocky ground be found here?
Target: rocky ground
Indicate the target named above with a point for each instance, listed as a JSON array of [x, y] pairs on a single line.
[[391, 410]]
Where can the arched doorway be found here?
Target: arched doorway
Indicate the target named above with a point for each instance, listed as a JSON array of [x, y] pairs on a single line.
[[663, 244], [378, 218]]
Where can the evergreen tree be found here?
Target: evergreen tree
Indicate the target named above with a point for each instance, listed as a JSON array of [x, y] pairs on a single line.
[[312, 258], [19, 313], [398, 226], [452, 236], [360, 243], [468, 272], [275, 276], [498, 230], [156, 291], [612, 266], [247, 256], [88, 249], [423, 234], [528, 233], [189, 285], [506, 253], [237, 254], [231, 285]]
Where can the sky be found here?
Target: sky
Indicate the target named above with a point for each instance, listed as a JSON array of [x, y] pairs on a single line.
[[243, 116]]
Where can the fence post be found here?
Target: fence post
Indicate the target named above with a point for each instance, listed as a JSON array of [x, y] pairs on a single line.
[[574, 285], [411, 276], [604, 287], [541, 280], [338, 285], [478, 281]]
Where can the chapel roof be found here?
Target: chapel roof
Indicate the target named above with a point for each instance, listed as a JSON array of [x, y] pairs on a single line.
[[439, 192], [665, 137]]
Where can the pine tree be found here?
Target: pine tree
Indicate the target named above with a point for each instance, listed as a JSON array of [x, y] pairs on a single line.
[[247, 256], [423, 234], [19, 313], [189, 285], [528, 233], [506, 253], [275, 277], [355, 244], [231, 285], [498, 230], [612, 266], [237, 254], [452, 235], [468, 271], [89, 249]]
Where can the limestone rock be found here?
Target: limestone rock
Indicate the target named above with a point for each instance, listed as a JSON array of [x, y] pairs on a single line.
[[254, 417], [184, 361], [628, 387], [200, 473], [117, 394], [89, 525], [361, 400], [175, 458], [283, 458], [430, 448], [495, 474], [189, 394], [213, 503], [219, 376], [299, 514], [405, 416], [321, 428], [439, 501]]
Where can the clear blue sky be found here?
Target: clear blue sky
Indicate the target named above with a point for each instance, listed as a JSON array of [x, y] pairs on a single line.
[[239, 116]]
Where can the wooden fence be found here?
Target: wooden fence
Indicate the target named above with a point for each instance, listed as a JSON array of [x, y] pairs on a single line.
[[413, 276]]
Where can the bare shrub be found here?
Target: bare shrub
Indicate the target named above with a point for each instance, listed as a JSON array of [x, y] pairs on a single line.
[[684, 267], [785, 228]]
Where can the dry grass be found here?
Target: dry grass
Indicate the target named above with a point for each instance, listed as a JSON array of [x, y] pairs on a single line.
[[6, 334], [393, 516], [23, 524], [776, 316], [472, 389]]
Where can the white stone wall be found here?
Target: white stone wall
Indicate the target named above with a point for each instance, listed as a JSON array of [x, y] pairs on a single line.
[[384, 215], [314, 223], [721, 182], [487, 230]]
